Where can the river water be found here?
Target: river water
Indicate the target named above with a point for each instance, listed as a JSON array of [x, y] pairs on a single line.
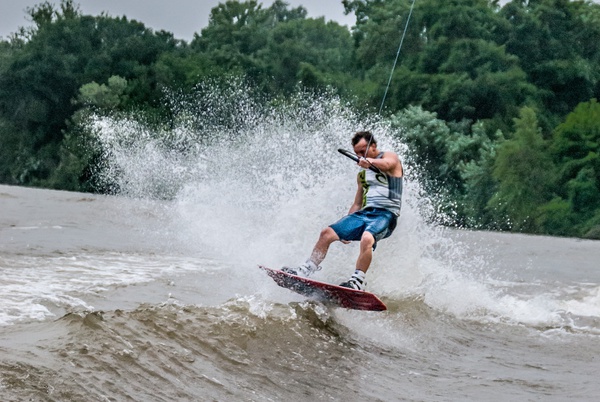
[[159, 298]]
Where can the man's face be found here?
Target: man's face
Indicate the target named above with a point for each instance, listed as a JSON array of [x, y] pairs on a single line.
[[360, 149]]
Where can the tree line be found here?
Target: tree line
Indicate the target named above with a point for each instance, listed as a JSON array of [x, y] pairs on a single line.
[[496, 104]]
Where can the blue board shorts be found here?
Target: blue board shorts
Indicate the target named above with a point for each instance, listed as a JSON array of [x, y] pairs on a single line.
[[377, 221]]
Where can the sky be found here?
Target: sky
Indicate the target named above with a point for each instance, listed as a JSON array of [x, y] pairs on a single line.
[[181, 17]]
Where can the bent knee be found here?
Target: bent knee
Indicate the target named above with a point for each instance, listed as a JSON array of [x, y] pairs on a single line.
[[367, 239], [329, 234]]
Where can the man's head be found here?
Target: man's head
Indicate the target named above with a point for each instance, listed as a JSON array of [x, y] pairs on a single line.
[[360, 141]]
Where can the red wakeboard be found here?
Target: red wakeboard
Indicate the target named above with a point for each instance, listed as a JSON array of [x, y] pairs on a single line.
[[343, 297]]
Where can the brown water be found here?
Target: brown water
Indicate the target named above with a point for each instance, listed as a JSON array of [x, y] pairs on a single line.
[[103, 300]]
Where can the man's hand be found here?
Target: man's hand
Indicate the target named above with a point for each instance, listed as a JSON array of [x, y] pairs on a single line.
[[364, 162]]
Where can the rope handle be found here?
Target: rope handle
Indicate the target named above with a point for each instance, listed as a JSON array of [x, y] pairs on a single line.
[[355, 158]]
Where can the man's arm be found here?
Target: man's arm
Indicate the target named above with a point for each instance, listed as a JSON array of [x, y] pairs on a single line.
[[388, 163], [358, 198]]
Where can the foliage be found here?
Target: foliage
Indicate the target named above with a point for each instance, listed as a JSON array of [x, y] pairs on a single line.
[[576, 152], [555, 41], [522, 170], [452, 161], [104, 96], [453, 59], [496, 104], [244, 38]]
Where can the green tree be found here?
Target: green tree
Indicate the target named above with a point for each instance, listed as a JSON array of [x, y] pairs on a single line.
[[102, 95], [183, 68], [478, 181], [452, 161], [577, 137], [79, 152], [235, 32], [452, 60], [576, 152], [276, 47], [309, 50], [556, 43], [35, 93], [45, 70], [523, 171]]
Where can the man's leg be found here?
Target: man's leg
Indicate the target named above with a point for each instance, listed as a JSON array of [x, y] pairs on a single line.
[[366, 252], [319, 252], [357, 280]]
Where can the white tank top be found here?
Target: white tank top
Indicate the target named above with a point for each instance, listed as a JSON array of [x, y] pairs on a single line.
[[381, 190]]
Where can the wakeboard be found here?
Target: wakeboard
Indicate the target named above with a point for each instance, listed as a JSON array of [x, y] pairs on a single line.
[[326, 292]]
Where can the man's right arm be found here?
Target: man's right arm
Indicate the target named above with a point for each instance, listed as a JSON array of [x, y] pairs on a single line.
[[358, 198]]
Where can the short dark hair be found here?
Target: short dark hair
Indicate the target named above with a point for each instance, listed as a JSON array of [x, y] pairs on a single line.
[[363, 134]]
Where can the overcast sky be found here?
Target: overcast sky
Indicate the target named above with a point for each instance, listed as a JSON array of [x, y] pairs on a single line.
[[181, 17]]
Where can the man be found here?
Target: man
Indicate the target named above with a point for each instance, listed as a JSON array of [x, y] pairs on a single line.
[[372, 216]]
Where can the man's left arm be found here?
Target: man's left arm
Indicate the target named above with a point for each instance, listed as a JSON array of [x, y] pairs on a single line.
[[388, 163]]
